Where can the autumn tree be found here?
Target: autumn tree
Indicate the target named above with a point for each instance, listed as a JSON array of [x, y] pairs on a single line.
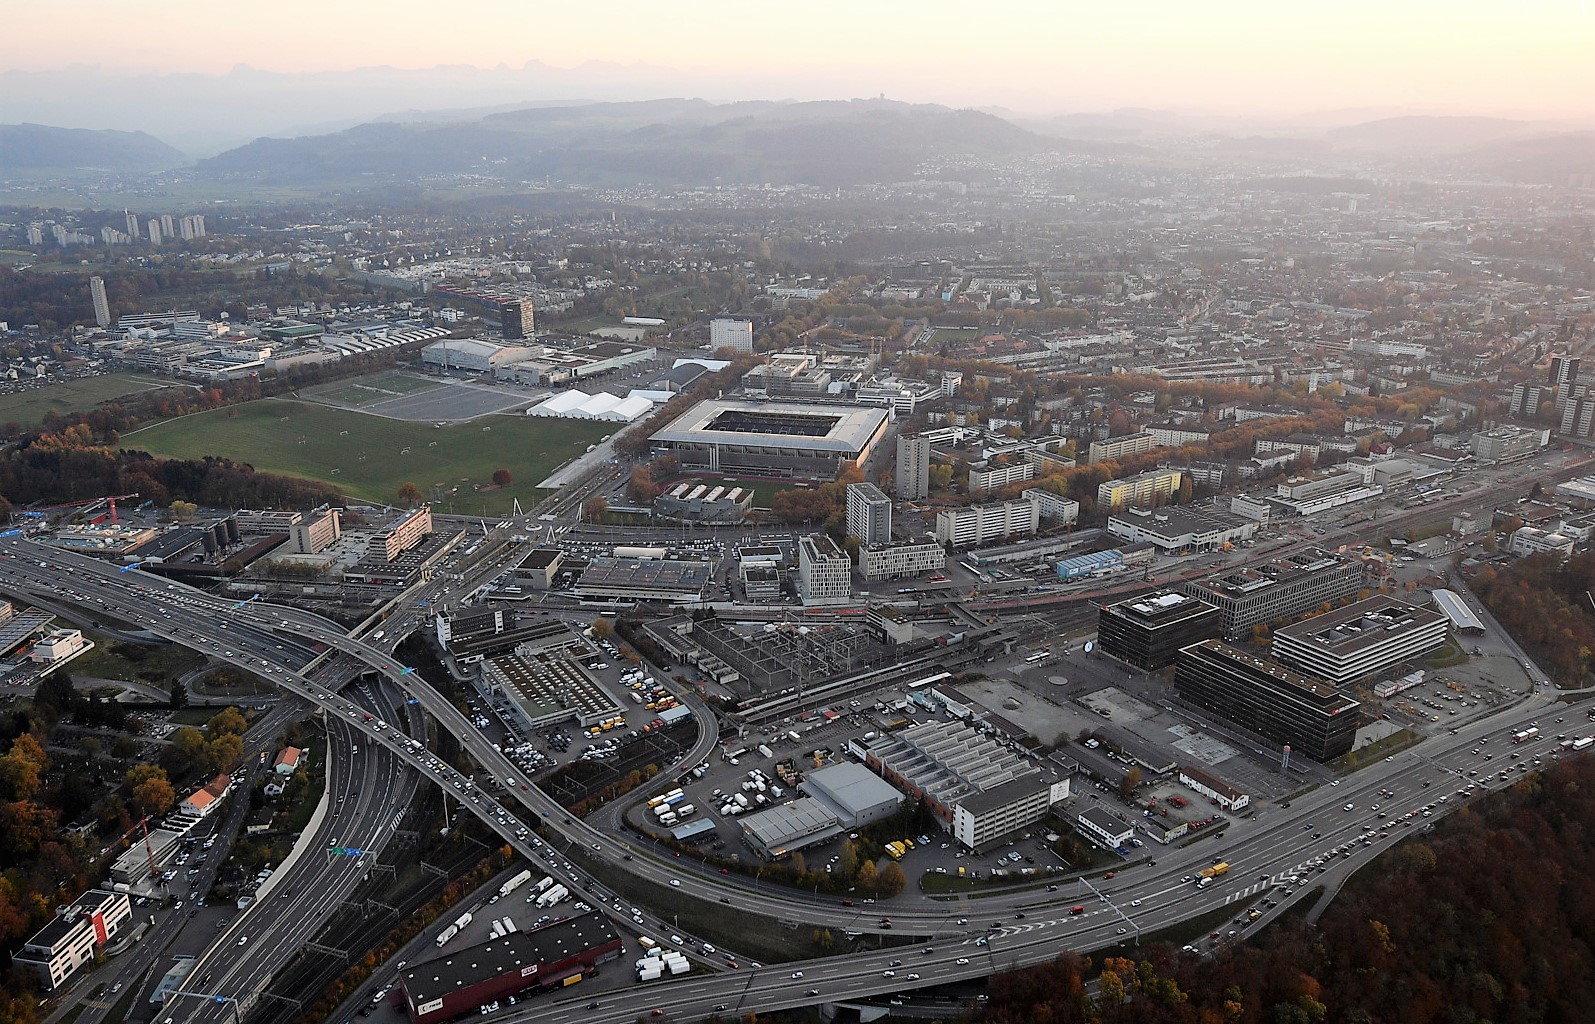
[[891, 881], [23, 767], [410, 494], [502, 478], [594, 509], [602, 628], [150, 789], [867, 879], [228, 721]]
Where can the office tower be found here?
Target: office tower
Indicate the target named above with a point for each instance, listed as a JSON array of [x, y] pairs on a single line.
[[736, 335], [155, 231], [516, 318], [132, 224], [102, 305], [913, 468], [869, 514]]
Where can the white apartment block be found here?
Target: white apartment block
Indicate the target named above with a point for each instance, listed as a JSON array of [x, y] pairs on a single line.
[[869, 514], [974, 525], [901, 560], [824, 571], [1119, 447], [58, 949], [1055, 508], [736, 335], [984, 479]]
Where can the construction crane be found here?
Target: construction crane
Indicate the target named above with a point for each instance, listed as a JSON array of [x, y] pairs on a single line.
[[149, 849]]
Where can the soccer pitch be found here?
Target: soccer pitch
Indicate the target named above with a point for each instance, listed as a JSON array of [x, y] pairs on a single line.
[[369, 457]]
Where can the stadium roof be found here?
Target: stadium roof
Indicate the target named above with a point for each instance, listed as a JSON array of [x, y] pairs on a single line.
[[843, 429]]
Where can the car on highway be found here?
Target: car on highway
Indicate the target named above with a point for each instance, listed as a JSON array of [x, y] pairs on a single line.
[[796, 975]]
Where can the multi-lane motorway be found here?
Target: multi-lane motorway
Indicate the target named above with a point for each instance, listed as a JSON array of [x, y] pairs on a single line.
[[275, 640]]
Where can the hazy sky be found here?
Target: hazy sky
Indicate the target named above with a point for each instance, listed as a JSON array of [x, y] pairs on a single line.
[[1532, 57]]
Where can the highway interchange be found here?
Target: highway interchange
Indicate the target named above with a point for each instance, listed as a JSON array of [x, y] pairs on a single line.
[[281, 643]]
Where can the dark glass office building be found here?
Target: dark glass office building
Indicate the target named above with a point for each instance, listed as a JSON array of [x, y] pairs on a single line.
[[1149, 631], [1267, 698]]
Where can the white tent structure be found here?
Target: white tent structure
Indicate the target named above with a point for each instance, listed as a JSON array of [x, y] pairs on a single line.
[[578, 405]]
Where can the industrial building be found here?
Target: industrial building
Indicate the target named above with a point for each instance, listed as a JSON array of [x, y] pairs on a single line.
[[473, 355], [1359, 639], [666, 580], [973, 525], [403, 532], [1530, 540], [1149, 631], [1184, 530], [540, 568], [1265, 697], [1214, 788], [1287, 586], [838, 798], [869, 514], [1462, 617], [53, 953], [705, 503], [309, 538], [545, 687], [461, 982], [1105, 829], [772, 438], [951, 764]]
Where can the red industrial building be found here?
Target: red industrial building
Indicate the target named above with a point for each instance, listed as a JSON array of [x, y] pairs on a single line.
[[460, 982]]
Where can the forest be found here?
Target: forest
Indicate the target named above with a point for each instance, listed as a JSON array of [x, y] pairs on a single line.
[[1547, 607], [1487, 919]]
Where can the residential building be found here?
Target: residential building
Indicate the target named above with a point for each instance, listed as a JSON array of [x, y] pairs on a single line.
[[1360, 639], [1563, 369], [1149, 631], [1119, 447], [1530, 540], [901, 559], [989, 478], [1172, 435], [913, 468], [1528, 398], [287, 761], [1508, 443], [1053, 508], [727, 333], [102, 304], [973, 525], [1141, 489], [88, 923], [208, 797], [1285, 587], [1174, 529], [824, 571], [869, 514], [1311, 717]]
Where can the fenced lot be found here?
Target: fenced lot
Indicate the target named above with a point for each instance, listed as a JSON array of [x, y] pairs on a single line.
[[370, 457], [406, 396]]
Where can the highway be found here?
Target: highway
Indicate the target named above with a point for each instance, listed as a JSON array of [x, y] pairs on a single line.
[[1277, 843]]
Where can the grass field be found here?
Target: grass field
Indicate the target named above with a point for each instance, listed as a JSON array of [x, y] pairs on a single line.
[[28, 407], [370, 390], [954, 335], [370, 458]]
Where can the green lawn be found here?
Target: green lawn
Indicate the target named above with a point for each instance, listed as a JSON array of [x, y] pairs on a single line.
[[954, 335], [370, 457], [28, 407]]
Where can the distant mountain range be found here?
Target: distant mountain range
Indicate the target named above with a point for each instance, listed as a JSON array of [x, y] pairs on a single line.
[[28, 149], [668, 141]]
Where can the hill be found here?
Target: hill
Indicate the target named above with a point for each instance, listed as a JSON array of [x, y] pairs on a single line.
[[667, 141], [28, 148]]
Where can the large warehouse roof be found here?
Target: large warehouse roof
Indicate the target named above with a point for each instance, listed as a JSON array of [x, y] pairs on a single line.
[[852, 787], [842, 429], [523, 953], [1451, 605]]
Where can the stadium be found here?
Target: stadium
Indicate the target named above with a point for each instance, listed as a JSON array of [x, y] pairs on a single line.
[[785, 439]]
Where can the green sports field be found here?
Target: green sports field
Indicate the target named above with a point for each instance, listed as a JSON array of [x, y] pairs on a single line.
[[370, 457], [74, 395]]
